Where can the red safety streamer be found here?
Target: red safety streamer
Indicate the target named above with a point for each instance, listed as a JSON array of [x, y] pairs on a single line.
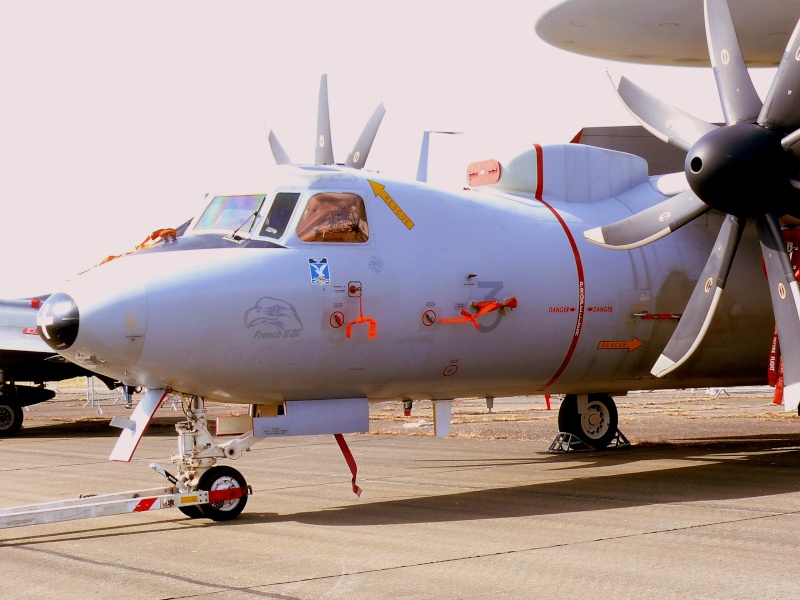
[[166, 233], [778, 397], [773, 367], [485, 306], [351, 462], [373, 326]]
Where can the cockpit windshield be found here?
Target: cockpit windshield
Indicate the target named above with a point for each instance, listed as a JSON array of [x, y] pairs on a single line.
[[279, 214], [229, 213]]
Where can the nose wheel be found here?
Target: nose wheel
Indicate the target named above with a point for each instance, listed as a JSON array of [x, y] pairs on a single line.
[[228, 494], [220, 479], [596, 423]]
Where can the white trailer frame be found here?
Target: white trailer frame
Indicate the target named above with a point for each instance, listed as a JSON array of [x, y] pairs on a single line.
[[114, 504]]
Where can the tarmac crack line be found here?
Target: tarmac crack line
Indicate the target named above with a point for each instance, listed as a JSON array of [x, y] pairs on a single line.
[[51, 467], [512, 552], [219, 588]]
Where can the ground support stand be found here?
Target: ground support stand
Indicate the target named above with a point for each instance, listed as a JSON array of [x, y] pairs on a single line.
[[568, 442]]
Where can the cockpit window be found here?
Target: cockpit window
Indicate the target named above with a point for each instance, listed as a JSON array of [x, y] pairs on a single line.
[[334, 217], [279, 214], [229, 212]]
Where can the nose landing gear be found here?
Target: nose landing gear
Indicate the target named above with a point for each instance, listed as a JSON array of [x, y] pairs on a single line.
[[196, 460]]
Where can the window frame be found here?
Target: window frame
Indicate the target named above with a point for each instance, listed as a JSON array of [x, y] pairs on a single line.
[[362, 216], [197, 229]]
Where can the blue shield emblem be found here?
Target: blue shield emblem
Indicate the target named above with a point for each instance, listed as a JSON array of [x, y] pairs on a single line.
[[320, 271]]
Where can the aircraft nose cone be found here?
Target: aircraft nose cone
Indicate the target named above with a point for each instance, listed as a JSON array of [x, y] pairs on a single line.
[[58, 321]]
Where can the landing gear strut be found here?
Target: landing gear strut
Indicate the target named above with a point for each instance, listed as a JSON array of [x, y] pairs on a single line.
[[593, 420], [197, 469]]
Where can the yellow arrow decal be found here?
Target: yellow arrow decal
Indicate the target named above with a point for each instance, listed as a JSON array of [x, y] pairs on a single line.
[[629, 345], [380, 192]]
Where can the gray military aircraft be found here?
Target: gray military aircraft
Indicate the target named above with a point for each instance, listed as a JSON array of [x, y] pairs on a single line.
[[338, 287]]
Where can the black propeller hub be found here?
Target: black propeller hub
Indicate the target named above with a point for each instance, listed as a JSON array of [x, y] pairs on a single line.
[[741, 170]]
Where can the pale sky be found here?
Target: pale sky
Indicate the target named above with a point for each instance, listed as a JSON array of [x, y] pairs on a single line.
[[117, 117]]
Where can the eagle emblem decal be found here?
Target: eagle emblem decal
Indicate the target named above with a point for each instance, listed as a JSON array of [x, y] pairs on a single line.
[[273, 318]]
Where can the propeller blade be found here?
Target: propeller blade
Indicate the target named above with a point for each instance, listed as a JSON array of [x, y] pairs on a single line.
[[780, 109], [650, 224], [323, 152], [740, 101], [785, 295], [666, 122], [358, 156], [281, 158], [422, 166], [703, 303]]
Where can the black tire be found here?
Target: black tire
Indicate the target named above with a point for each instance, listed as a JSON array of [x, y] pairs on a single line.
[[222, 478], [597, 427], [193, 511], [10, 417]]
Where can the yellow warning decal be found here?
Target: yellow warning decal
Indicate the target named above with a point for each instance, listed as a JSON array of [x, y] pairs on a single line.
[[380, 191], [187, 499]]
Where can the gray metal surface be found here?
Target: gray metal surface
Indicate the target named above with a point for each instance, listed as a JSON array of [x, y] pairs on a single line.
[[740, 101], [323, 150], [650, 224], [667, 33], [666, 122], [358, 155], [780, 109], [702, 305], [634, 139]]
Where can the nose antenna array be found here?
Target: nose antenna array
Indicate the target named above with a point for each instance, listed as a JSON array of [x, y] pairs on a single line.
[[323, 149]]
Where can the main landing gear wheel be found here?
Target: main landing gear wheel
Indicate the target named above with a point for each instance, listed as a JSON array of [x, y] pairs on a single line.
[[221, 477], [596, 426], [10, 418]]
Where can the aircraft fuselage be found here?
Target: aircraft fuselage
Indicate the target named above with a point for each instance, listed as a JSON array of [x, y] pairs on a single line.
[[257, 320]]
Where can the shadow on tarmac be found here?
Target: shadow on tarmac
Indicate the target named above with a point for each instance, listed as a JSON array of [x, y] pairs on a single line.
[[93, 427], [710, 470], [713, 470]]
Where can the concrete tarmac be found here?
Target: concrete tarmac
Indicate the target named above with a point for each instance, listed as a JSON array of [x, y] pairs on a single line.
[[712, 517]]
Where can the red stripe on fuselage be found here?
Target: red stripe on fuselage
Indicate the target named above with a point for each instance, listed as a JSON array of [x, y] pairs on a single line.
[[578, 266]]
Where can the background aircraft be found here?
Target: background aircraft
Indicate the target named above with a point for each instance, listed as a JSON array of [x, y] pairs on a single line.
[[25, 358]]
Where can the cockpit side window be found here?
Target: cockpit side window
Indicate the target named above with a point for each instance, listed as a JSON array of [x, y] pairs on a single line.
[[229, 212], [334, 217], [279, 214]]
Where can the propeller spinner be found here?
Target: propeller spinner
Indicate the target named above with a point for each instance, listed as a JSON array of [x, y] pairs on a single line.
[[746, 169], [323, 150]]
